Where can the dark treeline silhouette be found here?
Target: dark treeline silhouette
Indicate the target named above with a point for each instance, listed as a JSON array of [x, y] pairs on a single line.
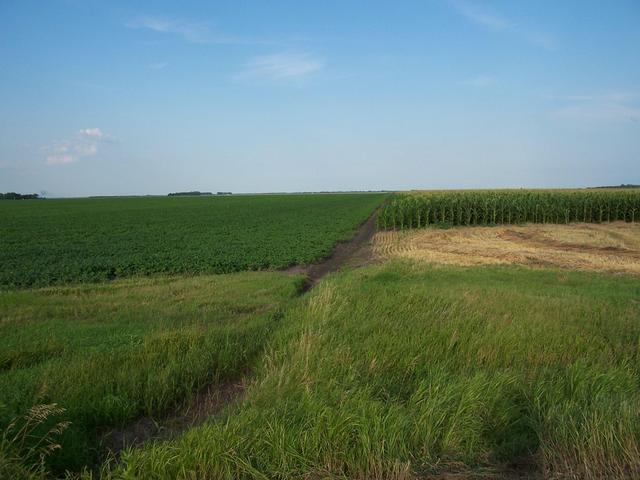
[[623, 185], [18, 196], [188, 194]]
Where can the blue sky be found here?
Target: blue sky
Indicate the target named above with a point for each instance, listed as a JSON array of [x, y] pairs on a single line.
[[124, 97]]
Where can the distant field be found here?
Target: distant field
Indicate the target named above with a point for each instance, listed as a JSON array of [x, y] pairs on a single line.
[[47, 242], [110, 353], [403, 370]]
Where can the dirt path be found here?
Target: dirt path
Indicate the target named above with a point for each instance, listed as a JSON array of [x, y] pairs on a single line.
[[354, 252], [204, 405], [210, 401]]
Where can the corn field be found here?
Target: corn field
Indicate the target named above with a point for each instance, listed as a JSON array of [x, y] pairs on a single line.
[[492, 207]]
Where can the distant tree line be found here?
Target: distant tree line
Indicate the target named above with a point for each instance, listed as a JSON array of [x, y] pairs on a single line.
[[189, 194], [623, 185], [18, 196]]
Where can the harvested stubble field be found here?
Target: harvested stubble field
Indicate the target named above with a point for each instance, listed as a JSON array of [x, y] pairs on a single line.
[[610, 247]]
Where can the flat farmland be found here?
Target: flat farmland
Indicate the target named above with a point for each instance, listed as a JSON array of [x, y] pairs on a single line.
[[49, 242], [462, 344]]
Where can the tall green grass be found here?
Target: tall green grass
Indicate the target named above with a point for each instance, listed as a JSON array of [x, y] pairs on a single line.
[[110, 353], [401, 370], [489, 207]]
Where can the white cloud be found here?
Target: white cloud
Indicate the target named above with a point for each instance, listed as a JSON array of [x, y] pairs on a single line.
[[498, 23], [480, 81], [92, 133], [84, 143], [281, 66]]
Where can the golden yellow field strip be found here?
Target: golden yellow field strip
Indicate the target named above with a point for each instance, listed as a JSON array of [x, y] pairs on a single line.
[[613, 247]]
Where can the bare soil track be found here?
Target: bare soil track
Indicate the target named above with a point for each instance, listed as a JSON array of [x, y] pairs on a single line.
[[354, 252], [203, 406], [210, 401]]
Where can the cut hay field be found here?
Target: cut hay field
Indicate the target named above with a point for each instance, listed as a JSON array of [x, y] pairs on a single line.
[[609, 247], [49, 242]]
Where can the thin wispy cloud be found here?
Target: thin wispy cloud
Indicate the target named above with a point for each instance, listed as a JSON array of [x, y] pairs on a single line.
[[610, 107], [158, 66], [540, 39], [188, 30], [194, 32], [614, 96], [498, 23], [85, 143], [280, 67], [481, 17], [479, 81]]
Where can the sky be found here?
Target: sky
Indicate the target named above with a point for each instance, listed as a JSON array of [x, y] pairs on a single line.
[[150, 97]]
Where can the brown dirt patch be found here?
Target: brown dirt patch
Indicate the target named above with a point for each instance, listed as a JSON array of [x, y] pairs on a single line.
[[613, 247], [202, 407], [354, 252]]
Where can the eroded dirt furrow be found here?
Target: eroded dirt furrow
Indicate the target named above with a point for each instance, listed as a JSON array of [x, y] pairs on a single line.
[[354, 252]]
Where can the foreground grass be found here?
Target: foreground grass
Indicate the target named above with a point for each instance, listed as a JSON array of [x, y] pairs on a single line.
[[401, 370], [110, 353]]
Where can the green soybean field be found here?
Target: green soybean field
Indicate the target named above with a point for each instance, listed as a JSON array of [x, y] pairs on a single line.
[[49, 242], [491, 207]]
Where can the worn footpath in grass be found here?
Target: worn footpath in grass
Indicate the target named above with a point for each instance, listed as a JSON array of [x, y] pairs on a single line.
[[110, 353], [402, 370]]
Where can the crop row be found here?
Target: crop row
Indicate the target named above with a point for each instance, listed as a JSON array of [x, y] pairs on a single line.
[[490, 207], [49, 242]]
